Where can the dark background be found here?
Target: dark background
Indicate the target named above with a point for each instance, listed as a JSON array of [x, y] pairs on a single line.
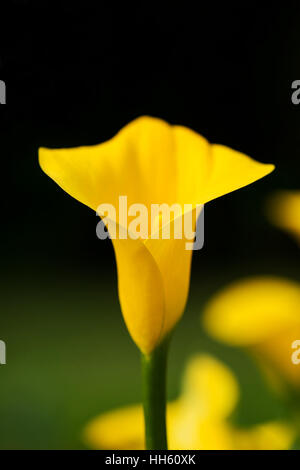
[[75, 74]]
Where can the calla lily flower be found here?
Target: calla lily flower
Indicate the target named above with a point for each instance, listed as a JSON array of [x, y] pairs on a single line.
[[261, 314], [151, 162], [198, 419], [284, 211]]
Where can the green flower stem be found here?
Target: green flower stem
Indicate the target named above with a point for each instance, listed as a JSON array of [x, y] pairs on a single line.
[[154, 369]]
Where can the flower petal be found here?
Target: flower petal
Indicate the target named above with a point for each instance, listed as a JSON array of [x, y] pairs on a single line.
[[123, 428], [174, 262], [210, 389], [250, 311], [284, 211], [269, 436], [232, 170], [196, 420], [141, 293], [275, 354], [150, 162], [137, 162]]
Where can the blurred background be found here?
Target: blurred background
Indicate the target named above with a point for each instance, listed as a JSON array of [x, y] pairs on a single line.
[[75, 74]]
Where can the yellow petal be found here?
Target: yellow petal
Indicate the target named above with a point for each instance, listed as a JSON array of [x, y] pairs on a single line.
[[232, 170], [123, 429], [210, 389], [174, 262], [210, 394], [193, 434], [150, 162], [135, 163], [270, 436], [276, 351], [250, 311], [284, 211], [198, 419], [141, 293]]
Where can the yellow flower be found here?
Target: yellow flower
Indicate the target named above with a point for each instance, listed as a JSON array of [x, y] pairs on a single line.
[[151, 162], [284, 211], [263, 315], [269, 436], [198, 419]]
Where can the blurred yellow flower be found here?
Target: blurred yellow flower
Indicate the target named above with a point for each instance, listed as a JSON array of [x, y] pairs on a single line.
[[151, 162], [198, 419], [263, 315], [284, 211]]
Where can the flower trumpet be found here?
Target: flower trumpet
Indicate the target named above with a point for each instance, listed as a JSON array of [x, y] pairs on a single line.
[[151, 162]]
